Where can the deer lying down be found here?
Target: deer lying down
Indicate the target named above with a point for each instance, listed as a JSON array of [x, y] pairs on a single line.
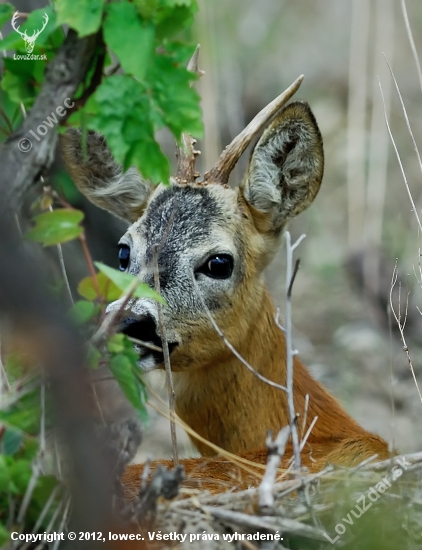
[[214, 243]]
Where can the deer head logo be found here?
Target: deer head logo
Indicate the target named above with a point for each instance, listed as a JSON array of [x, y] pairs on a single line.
[[29, 40]]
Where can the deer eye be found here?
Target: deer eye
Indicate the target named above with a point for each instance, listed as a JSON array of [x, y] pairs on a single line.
[[124, 257], [219, 266]]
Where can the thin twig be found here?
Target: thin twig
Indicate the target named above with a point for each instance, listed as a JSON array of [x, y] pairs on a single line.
[[276, 451], [42, 420], [305, 414], [308, 433], [145, 344], [62, 524], [406, 117], [391, 444], [399, 159], [412, 42], [231, 348], [113, 316], [265, 522], [36, 470], [166, 354], [90, 263], [290, 353], [401, 327]]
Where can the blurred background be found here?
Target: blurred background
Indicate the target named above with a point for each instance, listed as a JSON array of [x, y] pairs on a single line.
[[362, 221]]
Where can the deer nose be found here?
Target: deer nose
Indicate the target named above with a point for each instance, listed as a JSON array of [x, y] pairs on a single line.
[[142, 328]]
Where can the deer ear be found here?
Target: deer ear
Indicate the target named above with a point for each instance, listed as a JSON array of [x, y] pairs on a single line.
[[286, 167], [101, 179]]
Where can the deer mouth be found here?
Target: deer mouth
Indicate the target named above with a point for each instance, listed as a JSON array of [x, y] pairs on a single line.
[[146, 342]]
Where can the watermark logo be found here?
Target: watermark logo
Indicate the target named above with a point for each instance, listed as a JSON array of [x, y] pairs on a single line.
[[373, 494], [25, 144], [29, 40]]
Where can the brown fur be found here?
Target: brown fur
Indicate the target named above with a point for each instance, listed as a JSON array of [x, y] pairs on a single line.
[[230, 407]]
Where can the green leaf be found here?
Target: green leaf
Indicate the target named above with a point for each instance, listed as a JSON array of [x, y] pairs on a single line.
[[43, 489], [10, 442], [116, 343], [84, 16], [108, 290], [6, 12], [82, 311], [149, 158], [4, 535], [121, 111], [124, 280], [4, 474], [24, 414], [18, 88], [122, 30], [56, 227], [179, 103], [20, 473], [14, 366], [121, 369], [94, 357], [173, 19]]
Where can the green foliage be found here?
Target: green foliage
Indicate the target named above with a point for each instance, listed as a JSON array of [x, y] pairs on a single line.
[[122, 29], [123, 365], [125, 280], [58, 226], [82, 312], [6, 12], [84, 16], [108, 291]]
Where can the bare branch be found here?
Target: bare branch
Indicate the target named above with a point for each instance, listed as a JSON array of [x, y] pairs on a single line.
[[290, 353], [276, 451], [399, 159], [397, 317], [412, 42], [231, 348], [166, 354]]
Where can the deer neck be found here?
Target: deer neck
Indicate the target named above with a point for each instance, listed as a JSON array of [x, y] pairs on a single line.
[[229, 406]]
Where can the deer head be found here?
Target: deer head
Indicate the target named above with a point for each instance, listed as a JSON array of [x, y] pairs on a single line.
[[212, 239], [29, 40]]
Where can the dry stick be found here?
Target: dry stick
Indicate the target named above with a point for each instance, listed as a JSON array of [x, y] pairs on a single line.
[[412, 42], [36, 471], [401, 327], [166, 354], [218, 450], [63, 267], [399, 159], [231, 348], [290, 353], [276, 451], [145, 344], [265, 522], [4, 381], [112, 317], [308, 433], [415, 146], [305, 414], [62, 524], [90, 264], [391, 444]]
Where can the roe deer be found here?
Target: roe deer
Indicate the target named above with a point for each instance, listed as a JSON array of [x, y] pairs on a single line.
[[217, 241]]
